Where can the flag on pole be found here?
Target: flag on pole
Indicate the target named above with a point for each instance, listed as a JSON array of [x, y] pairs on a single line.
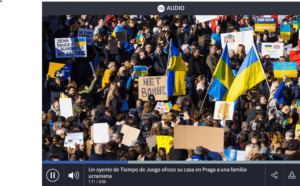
[[250, 74], [223, 77], [176, 73]]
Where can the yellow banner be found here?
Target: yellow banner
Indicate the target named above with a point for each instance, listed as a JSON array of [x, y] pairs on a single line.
[[282, 73], [263, 27], [164, 142]]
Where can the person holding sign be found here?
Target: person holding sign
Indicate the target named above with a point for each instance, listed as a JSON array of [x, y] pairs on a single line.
[[55, 86]]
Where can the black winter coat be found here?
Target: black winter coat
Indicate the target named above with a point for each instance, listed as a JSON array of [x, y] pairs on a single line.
[[54, 150], [160, 64]]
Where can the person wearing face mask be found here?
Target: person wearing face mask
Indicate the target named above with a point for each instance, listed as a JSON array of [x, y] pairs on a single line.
[[212, 59]]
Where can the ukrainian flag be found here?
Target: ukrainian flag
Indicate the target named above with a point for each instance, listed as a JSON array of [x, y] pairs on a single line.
[[176, 73], [297, 104], [139, 38], [268, 46], [140, 71], [223, 77], [285, 31], [250, 74], [97, 64], [79, 41], [168, 106]]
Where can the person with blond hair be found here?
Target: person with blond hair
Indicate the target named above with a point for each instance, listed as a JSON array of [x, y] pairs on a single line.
[[251, 150], [113, 100], [240, 54]]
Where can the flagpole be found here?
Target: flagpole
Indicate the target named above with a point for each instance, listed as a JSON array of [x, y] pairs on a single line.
[[212, 79], [168, 63], [264, 73]]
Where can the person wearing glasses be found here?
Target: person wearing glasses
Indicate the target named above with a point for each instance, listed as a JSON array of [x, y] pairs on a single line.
[[247, 21]]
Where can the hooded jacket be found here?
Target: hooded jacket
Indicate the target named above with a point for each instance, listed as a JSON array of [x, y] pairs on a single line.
[[57, 111]]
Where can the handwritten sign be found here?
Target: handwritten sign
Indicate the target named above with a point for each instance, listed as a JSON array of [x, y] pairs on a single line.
[[70, 47], [164, 142], [100, 132], [223, 110], [285, 68], [121, 36], [234, 39], [155, 85], [88, 34], [113, 46]]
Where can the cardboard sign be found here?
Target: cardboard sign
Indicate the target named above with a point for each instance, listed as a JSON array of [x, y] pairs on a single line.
[[152, 143], [69, 47], [76, 138], [287, 49], [265, 23], [88, 34], [189, 137], [155, 85], [164, 142], [274, 50], [121, 36], [66, 109], [285, 68], [204, 18], [224, 110], [234, 155], [113, 46], [100, 132], [59, 70], [234, 39], [130, 134]]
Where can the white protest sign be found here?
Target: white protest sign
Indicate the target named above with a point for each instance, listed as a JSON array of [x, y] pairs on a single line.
[[77, 137], [160, 107], [88, 34], [66, 144], [287, 48], [234, 39], [66, 109], [100, 131], [274, 50], [234, 155], [203, 18], [224, 110], [69, 47]]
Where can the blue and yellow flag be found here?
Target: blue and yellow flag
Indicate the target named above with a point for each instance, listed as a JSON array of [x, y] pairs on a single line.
[[168, 106], [176, 73], [97, 64], [62, 95], [140, 71], [285, 31], [139, 38], [250, 74], [223, 77], [297, 105]]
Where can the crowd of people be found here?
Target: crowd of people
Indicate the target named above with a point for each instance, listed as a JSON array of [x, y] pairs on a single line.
[[264, 121]]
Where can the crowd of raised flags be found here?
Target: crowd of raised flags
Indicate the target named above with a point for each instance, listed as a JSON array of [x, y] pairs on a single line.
[[112, 96]]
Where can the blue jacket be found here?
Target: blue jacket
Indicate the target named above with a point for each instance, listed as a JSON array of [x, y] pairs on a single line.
[[211, 156], [280, 95]]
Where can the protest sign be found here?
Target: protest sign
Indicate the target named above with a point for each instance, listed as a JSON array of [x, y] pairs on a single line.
[[130, 134], [76, 137], [160, 107], [265, 23], [246, 28], [274, 50], [287, 48], [285, 32], [59, 70], [164, 142], [65, 105], [152, 143], [88, 34], [234, 155], [189, 137], [70, 47], [113, 46], [155, 85], [234, 39], [121, 36], [100, 132], [203, 18], [223, 110], [140, 71], [285, 68], [66, 143]]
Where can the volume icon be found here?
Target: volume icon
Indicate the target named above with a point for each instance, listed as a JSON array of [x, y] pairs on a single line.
[[74, 175]]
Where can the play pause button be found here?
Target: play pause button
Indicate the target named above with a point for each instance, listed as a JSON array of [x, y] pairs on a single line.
[[52, 175]]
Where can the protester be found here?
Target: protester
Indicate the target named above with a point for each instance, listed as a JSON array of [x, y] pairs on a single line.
[[265, 118]]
